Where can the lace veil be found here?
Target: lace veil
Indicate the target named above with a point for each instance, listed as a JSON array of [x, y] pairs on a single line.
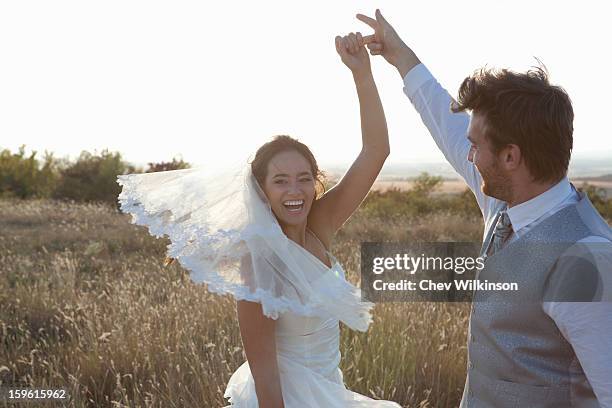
[[223, 231]]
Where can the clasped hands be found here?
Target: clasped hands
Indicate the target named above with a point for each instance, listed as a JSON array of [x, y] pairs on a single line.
[[385, 41]]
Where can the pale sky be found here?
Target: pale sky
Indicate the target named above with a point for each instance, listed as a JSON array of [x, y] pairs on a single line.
[[213, 80]]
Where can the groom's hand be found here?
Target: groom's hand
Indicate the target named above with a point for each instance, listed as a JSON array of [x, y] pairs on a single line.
[[386, 42]]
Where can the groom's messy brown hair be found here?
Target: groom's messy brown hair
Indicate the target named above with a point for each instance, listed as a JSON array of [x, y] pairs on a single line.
[[526, 110]]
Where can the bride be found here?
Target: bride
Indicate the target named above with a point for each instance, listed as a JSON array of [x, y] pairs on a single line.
[[263, 236]]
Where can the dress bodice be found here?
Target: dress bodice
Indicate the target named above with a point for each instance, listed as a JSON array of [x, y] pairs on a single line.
[[311, 340]]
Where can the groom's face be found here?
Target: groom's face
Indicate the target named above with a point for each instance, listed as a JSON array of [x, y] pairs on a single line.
[[495, 181]]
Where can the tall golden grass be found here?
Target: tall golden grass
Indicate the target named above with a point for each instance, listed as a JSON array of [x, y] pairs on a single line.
[[86, 304]]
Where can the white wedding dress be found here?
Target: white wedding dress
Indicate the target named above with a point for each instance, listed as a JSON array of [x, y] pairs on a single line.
[[308, 350], [223, 231]]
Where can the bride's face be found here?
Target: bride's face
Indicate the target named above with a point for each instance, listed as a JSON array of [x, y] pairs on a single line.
[[290, 187]]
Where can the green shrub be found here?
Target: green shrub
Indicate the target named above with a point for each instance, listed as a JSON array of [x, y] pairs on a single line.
[[24, 176], [93, 178], [419, 200], [166, 166]]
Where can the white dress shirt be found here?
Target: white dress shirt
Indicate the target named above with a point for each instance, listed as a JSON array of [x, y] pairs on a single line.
[[586, 326]]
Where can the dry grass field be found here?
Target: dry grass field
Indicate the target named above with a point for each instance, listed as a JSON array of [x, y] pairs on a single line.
[[86, 304]]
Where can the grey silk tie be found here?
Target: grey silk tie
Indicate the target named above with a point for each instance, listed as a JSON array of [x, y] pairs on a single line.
[[503, 230]]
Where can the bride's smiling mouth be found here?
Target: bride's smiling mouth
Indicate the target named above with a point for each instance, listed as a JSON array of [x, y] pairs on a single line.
[[294, 206]]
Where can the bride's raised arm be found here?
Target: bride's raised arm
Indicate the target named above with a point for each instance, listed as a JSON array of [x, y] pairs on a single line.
[[336, 206]]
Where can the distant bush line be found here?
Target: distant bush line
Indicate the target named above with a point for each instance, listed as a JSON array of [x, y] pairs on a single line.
[[419, 200], [92, 178]]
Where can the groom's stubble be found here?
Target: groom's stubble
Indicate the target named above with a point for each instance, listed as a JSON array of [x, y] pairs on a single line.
[[496, 182]]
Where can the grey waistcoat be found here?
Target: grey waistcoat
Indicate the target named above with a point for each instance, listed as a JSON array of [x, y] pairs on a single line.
[[517, 357]]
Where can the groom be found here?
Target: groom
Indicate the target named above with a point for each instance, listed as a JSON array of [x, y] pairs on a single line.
[[513, 152]]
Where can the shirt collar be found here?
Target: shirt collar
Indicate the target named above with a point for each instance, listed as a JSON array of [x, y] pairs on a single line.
[[525, 213]]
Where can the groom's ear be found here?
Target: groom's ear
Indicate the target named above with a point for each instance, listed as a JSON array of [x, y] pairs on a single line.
[[511, 157]]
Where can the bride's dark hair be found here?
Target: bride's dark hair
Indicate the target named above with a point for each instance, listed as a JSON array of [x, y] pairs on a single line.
[[278, 144], [283, 143]]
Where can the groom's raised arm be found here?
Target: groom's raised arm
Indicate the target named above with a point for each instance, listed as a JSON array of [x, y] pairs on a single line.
[[449, 130]]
